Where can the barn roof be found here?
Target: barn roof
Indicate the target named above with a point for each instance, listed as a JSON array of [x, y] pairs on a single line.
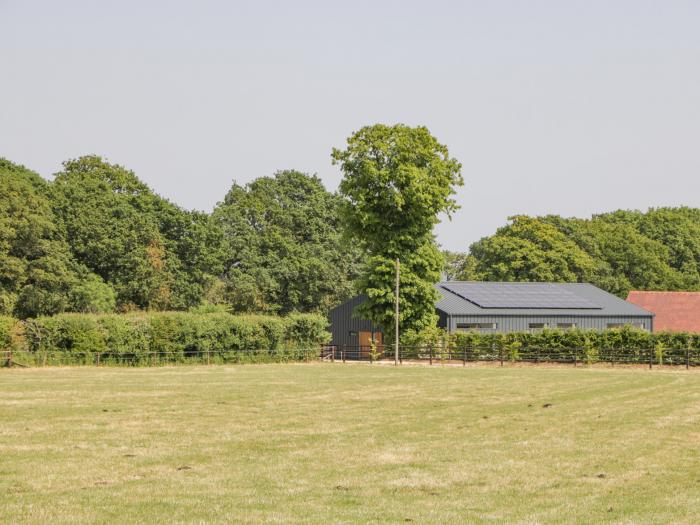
[[499, 298], [675, 311]]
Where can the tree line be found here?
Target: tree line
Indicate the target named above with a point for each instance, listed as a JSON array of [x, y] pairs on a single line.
[[96, 239], [619, 251]]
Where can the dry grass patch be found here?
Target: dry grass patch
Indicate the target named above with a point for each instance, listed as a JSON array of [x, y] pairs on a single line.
[[345, 444]]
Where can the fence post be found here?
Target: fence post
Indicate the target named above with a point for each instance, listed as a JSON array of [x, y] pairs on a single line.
[[208, 358], [431, 353], [651, 358], [464, 361], [9, 358], [575, 356], [687, 357], [342, 353], [97, 358], [400, 356], [332, 354], [500, 354]]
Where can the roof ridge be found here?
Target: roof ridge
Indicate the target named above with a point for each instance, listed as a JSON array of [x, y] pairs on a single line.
[[666, 291], [509, 282]]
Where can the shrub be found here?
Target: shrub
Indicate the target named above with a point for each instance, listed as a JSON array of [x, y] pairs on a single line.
[[305, 330], [11, 333], [173, 336], [135, 338]]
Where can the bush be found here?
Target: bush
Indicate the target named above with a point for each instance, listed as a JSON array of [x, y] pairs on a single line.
[[11, 333], [617, 344], [142, 338], [305, 330]]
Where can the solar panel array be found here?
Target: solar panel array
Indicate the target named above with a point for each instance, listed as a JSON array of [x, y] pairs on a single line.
[[520, 295]]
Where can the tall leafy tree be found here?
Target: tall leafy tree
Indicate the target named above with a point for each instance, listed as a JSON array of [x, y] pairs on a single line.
[[529, 249], [38, 274], [153, 253], [616, 251], [397, 179], [285, 251], [679, 230], [457, 264]]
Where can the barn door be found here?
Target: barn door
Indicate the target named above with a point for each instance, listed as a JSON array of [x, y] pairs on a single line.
[[378, 340], [366, 343]]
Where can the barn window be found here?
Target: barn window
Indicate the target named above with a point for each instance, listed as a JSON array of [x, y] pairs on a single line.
[[566, 326], [476, 326], [538, 326], [639, 326], [352, 334]]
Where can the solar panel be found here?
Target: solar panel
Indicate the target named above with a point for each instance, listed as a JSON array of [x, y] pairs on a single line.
[[520, 295]]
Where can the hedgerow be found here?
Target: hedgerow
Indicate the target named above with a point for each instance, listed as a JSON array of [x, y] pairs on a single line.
[[143, 338], [624, 344], [172, 337]]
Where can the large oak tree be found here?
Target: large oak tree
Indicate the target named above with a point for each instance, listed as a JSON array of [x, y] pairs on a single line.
[[284, 246]]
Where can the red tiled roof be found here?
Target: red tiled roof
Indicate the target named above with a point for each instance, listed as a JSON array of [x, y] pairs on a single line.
[[675, 311]]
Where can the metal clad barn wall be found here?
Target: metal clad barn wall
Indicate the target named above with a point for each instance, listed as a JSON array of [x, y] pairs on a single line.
[[521, 323], [343, 322]]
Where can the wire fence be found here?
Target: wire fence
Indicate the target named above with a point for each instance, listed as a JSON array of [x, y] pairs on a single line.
[[27, 358], [687, 357]]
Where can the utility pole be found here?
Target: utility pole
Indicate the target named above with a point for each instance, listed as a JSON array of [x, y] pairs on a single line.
[[396, 317]]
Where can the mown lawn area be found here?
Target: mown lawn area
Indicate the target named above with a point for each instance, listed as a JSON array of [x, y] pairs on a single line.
[[324, 443]]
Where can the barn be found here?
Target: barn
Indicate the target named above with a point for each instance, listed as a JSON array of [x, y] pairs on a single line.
[[505, 307]]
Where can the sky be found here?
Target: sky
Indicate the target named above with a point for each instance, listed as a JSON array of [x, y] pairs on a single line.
[[566, 107]]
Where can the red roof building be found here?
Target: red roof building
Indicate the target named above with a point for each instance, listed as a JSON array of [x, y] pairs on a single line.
[[674, 311]]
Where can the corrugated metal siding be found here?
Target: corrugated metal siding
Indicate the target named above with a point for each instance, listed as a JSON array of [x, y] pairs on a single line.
[[343, 322], [520, 323]]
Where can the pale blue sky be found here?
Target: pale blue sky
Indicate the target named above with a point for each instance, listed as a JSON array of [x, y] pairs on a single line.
[[568, 107]]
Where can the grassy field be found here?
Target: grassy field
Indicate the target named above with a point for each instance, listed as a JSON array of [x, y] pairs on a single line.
[[349, 443]]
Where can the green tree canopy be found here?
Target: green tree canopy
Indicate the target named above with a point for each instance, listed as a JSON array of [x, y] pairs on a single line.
[[38, 274], [531, 250], [285, 251], [456, 265], [397, 180], [617, 251], [153, 253]]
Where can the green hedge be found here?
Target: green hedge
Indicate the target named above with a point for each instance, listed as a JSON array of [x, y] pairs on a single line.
[[171, 337], [618, 344], [148, 338]]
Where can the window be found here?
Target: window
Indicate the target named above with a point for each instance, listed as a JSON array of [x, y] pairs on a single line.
[[638, 326], [476, 326], [538, 326], [566, 326], [352, 334]]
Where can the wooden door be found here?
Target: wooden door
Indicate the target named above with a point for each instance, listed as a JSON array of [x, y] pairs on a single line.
[[365, 341], [378, 340]]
